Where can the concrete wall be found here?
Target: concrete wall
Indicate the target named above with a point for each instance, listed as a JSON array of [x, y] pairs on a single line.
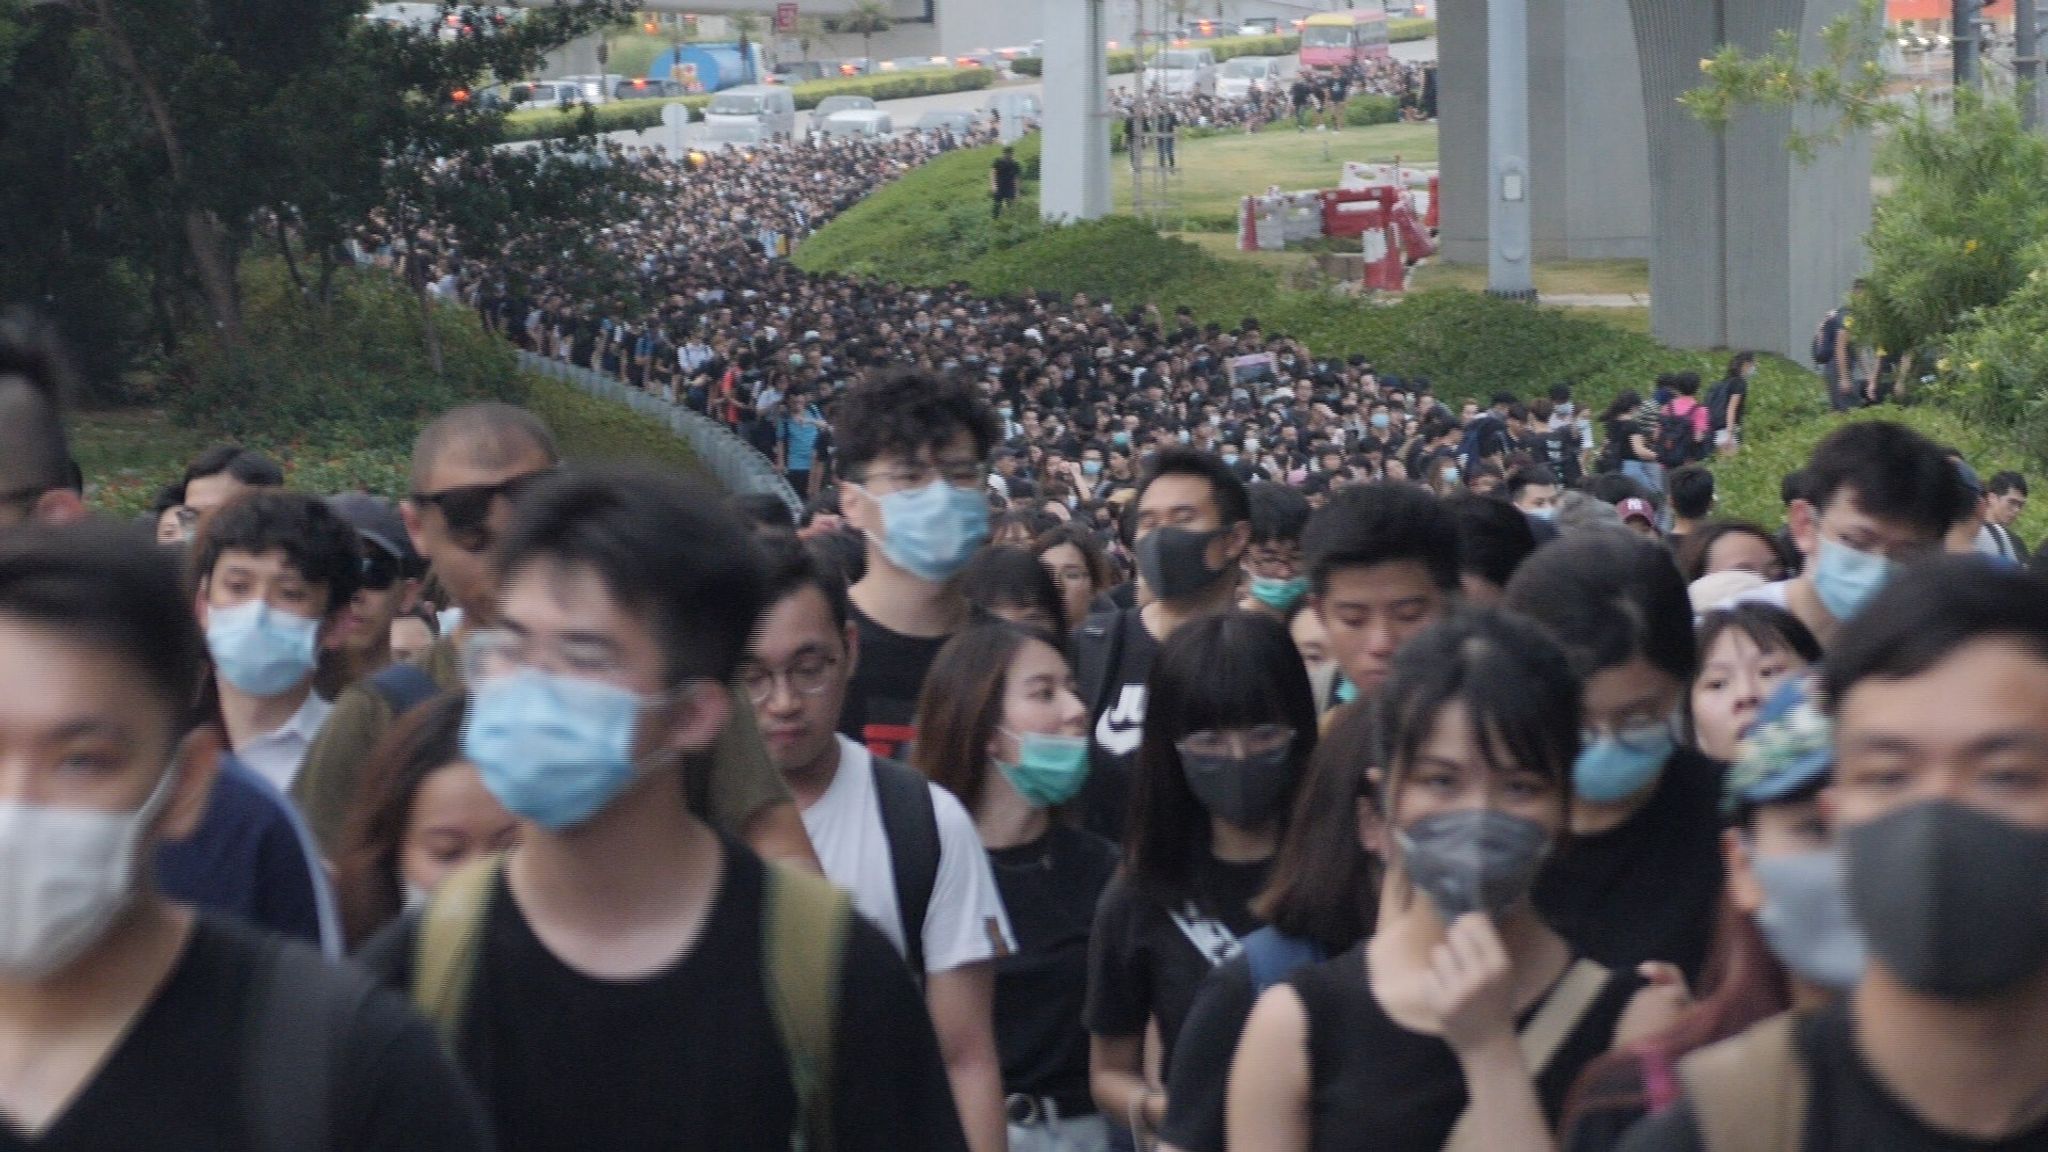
[[1589, 181]]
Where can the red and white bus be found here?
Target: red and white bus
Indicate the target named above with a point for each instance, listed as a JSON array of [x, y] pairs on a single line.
[[1341, 39]]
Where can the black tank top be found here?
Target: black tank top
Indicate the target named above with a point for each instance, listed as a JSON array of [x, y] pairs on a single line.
[[1375, 1085]]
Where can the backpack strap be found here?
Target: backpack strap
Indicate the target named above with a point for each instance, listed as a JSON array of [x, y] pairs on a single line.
[[1543, 1035], [911, 825], [404, 687], [803, 948], [446, 944], [1749, 1092], [1273, 956], [304, 1012]]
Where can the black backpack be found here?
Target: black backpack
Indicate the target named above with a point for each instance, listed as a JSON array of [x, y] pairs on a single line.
[[303, 1011], [1677, 442], [911, 825], [1823, 350]]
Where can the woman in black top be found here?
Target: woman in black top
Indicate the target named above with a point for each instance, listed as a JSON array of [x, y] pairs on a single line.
[[1001, 727], [1629, 442], [1388, 1045], [1229, 724], [1643, 878]]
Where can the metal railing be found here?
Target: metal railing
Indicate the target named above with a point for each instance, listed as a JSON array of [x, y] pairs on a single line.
[[736, 463]]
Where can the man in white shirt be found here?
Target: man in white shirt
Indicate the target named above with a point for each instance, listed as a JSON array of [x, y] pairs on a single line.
[[877, 827], [276, 570]]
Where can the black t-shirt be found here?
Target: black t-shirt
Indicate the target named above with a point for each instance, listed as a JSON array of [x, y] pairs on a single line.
[[177, 1080], [1199, 1077], [1724, 396], [688, 1058], [1848, 1108], [1376, 1085], [1006, 171], [881, 700], [1050, 888], [1118, 704], [1649, 889], [1141, 965]]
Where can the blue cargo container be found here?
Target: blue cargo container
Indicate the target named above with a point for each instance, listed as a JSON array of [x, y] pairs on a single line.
[[707, 67]]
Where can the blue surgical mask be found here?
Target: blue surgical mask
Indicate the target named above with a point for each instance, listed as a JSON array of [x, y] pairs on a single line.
[[1381, 420], [1544, 513], [1279, 595], [931, 532], [1346, 690], [1451, 475], [553, 749], [1230, 458], [1091, 467], [260, 650], [1611, 768], [1050, 768], [1845, 579], [1120, 439], [1806, 918]]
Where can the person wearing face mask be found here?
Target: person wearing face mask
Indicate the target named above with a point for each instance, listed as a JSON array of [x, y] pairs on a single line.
[[914, 450], [1644, 873], [1746, 652], [1939, 803], [135, 1013], [1275, 582], [1228, 733], [1877, 496], [581, 978], [1784, 938], [900, 845], [423, 814], [1464, 1019], [1192, 528], [1534, 491], [277, 571], [1000, 728]]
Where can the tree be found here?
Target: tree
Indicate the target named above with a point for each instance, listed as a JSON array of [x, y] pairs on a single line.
[[867, 18], [1848, 83]]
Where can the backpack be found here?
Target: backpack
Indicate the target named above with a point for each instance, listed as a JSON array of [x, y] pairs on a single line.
[[1561, 451], [1823, 351], [804, 927], [911, 826], [1677, 439], [296, 1038], [1749, 1092], [1472, 448]]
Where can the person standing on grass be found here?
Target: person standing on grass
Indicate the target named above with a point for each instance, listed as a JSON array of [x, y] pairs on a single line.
[[1002, 180]]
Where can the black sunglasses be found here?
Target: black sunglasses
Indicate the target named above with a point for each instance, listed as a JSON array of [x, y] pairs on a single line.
[[380, 568], [468, 509]]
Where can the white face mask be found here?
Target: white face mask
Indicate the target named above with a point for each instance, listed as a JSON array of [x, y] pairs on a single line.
[[65, 875], [415, 896]]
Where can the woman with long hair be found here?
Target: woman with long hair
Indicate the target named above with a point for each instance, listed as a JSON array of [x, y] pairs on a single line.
[[1000, 727], [1411, 1035], [1629, 440], [1229, 728], [1784, 938], [421, 813]]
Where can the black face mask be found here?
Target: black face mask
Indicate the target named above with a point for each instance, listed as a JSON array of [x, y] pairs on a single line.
[[1476, 860], [1243, 791], [1952, 901], [1174, 562]]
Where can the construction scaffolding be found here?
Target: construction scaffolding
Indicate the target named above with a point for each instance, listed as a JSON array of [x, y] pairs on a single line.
[[1151, 128]]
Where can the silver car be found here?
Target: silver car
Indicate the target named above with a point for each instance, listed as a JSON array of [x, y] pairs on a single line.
[[750, 114], [831, 104], [1239, 78], [1182, 70]]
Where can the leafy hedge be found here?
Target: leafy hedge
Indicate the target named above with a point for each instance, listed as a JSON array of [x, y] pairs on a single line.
[[1226, 48], [639, 115], [1405, 30]]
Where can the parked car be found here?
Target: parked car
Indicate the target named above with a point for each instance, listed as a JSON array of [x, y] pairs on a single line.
[[802, 71], [831, 104], [1182, 70], [547, 94], [916, 63], [1014, 107], [645, 89], [1244, 75], [957, 124], [1260, 26], [869, 123], [751, 113]]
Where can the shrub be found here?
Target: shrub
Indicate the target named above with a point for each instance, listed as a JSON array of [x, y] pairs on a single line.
[[1995, 368], [639, 115], [355, 374], [1225, 48], [1402, 31], [1366, 111], [621, 116]]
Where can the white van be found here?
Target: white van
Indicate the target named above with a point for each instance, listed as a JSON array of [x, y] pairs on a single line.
[[1246, 76], [750, 114], [864, 123], [1182, 70]]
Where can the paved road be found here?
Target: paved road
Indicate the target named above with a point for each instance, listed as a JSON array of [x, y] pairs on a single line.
[[906, 111]]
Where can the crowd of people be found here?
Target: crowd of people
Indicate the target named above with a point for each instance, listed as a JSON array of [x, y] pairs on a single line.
[[1380, 814]]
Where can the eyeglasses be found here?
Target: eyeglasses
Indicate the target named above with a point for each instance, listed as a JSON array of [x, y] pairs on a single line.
[[468, 509], [1637, 733], [495, 653], [808, 676], [958, 473]]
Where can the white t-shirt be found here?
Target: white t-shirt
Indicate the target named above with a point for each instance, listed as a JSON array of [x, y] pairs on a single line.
[[965, 922]]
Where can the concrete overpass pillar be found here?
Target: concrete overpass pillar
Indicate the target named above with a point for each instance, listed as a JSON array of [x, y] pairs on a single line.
[[1073, 169], [1588, 174]]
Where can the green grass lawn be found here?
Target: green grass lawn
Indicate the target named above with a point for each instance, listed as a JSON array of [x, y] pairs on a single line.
[[1217, 171], [1575, 278]]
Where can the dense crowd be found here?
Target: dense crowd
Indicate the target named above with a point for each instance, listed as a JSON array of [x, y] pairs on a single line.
[[1152, 735]]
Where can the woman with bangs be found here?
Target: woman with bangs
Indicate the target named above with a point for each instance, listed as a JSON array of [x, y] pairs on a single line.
[[1746, 652], [1463, 1021], [1230, 725]]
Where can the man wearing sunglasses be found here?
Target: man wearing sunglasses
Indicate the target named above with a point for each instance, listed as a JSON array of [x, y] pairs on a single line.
[[468, 468], [390, 587]]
